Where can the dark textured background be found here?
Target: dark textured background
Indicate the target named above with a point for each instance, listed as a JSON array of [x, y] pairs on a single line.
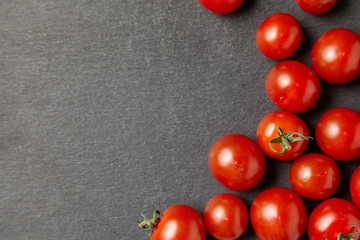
[[109, 108]]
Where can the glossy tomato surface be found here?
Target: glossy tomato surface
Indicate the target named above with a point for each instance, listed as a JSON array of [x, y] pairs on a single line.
[[278, 213], [237, 162], [288, 122], [355, 187], [337, 134], [221, 6], [293, 86], [316, 7], [279, 36], [332, 217], [314, 176], [180, 222], [336, 56], [226, 217]]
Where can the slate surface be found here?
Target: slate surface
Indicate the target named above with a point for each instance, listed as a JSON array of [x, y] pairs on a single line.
[[109, 108]]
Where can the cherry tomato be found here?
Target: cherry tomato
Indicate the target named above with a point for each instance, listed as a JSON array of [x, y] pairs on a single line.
[[332, 217], [226, 217], [289, 144], [355, 187], [237, 162], [177, 222], [221, 6], [279, 36], [293, 86], [338, 134], [278, 213], [336, 56], [316, 7], [314, 176]]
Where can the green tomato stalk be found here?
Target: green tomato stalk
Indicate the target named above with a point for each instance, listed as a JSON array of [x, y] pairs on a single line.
[[349, 236], [149, 224], [285, 139]]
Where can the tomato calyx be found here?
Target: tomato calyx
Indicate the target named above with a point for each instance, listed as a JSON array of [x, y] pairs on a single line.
[[349, 236], [150, 224], [285, 139]]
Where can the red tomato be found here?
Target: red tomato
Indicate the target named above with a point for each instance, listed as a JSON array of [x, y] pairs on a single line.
[[278, 213], [332, 217], [177, 222], [291, 144], [237, 162], [316, 7], [336, 56], [355, 187], [293, 86], [221, 6], [314, 176], [279, 36], [226, 217], [338, 134]]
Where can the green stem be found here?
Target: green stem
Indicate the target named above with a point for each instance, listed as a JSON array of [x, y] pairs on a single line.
[[286, 143], [349, 236], [285, 139], [149, 224]]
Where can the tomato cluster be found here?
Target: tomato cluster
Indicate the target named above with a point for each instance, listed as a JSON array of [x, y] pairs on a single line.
[[280, 213], [239, 164]]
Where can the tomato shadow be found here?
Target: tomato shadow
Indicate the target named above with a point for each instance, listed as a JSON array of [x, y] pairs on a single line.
[[244, 8], [311, 117], [310, 204], [302, 54], [329, 97], [249, 233], [274, 175], [338, 9], [346, 169]]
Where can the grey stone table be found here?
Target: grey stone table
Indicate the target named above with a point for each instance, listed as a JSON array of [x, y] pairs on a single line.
[[108, 108]]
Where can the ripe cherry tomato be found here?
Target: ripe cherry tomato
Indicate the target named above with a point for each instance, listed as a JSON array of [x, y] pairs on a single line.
[[314, 176], [336, 56], [293, 86], [278, 213], [237, 162], [288, 142], [316, 7], [226, 217], [332, 217], [355, 187], [338, 134], [279, 36], [177, 222], [221, 6]]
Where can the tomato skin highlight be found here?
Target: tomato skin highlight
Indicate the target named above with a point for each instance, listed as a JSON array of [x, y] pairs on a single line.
[[226, 217], [355, 187], [337, 134], [293, 86], [180, 222], [331, 217], [279, 36], [336, 56], [221, 6], [278, 213], [288, 122], [316, 7], [314, 176], [237, 162]]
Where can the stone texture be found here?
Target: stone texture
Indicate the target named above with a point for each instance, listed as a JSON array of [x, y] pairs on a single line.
[[109, 108]]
